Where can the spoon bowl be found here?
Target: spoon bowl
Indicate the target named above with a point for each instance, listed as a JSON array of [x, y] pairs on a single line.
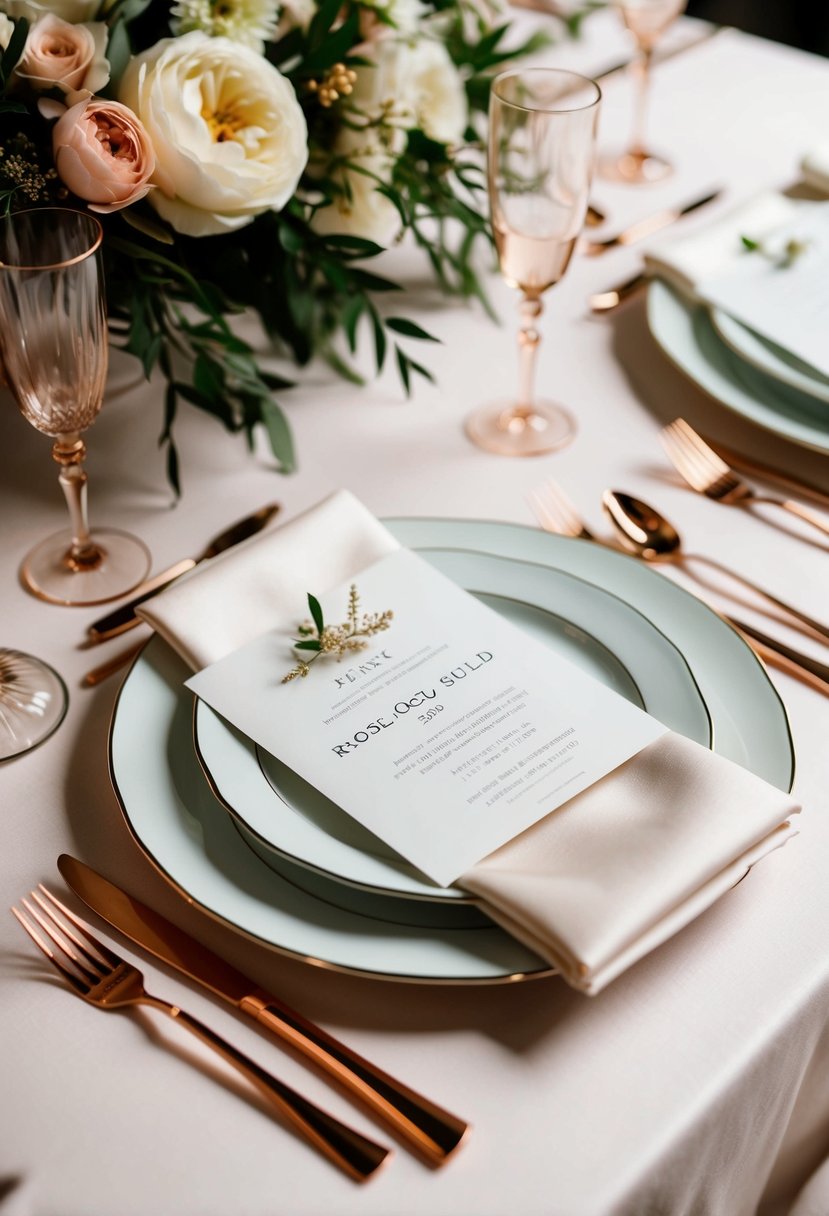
[[644, 532]]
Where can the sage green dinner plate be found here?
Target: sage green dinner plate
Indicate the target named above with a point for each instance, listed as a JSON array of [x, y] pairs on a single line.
[[187, 834], [687, 336]]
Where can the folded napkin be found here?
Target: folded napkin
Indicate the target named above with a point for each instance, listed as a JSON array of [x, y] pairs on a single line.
[[711, 251], [815, 168], [602, 880]]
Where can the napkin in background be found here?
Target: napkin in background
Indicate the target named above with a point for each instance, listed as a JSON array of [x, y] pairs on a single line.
[[778, 287], [815, 168], [602, 880]]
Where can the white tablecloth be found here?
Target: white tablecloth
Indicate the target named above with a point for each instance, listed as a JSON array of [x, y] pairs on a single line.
[[698, 1082]]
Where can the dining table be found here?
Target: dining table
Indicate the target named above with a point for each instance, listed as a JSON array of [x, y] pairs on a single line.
[[697, 1082]]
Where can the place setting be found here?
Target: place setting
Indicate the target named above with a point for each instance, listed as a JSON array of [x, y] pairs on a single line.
[[417, 719]]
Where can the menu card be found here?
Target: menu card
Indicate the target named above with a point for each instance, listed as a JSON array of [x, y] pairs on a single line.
[[449, 734]]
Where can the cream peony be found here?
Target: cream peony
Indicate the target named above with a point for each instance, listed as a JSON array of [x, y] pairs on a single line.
[[6, 29], [228, 132], [413, 85], [73, 11], [103, 154], [70, 56], [362, 210]]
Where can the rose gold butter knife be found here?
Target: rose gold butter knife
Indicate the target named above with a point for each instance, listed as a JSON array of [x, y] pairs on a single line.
[[434, 1132]]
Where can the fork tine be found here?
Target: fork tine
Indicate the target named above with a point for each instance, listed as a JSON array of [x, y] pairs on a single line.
[[686, 435], [107, 956], [77, 983], [95, 957], [684, 461], [91, 973]]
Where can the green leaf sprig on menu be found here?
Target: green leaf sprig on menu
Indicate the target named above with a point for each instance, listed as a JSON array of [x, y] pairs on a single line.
[[316, 639]]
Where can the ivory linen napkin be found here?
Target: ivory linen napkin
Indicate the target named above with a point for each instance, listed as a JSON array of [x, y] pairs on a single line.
[[687, 262], [596, 884]]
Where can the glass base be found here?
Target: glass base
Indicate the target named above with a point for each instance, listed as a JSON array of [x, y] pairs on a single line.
[[47, 573], [635, 168], [33, 702], [514, 430]]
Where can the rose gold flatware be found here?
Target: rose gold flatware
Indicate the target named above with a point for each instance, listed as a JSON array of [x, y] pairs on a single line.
[[420, 1122], [765, 472], [103, 979], [124, 618], [645, 227], [643, 530], [708, 474], [97, 675], [556, 513], [606, 301]]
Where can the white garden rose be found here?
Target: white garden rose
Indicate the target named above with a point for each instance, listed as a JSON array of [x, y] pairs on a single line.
[[228, 132], [73, 11], [6, 30], [413, 84], [361, 210]]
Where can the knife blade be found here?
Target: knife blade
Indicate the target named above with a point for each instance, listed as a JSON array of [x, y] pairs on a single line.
[[434, 1132], [123, 618], [604, 301], [646, 227]]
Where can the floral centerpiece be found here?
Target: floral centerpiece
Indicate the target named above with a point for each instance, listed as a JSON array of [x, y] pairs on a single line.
[[253, 155]]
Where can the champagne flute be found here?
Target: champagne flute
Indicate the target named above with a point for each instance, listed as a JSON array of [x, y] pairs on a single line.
[[53, 347], [647, 20], [542, 135], [33, 702]]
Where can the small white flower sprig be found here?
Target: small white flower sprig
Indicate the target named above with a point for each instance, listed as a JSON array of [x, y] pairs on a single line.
[[782, 258], [337, 640]]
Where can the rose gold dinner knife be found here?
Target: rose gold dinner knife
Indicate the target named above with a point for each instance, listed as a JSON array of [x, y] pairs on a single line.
[[423, 1124]]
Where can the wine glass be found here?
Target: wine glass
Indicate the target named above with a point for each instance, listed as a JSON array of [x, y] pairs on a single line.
[[53, 349], [542, 135], [647, 20], [33, 702]]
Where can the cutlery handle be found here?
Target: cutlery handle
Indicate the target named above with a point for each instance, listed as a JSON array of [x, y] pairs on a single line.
[[421, 1122], [794, 508], [98, 674], [801, 666], [124, 618], [604, 301], [347, 1148], [816, 626]]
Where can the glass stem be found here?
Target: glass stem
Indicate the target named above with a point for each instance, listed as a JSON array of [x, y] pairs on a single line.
[[70, 451], [642, 69], [528, 342]]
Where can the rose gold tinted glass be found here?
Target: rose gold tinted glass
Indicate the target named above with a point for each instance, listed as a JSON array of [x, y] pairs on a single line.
[[542, 132], [53, 344]]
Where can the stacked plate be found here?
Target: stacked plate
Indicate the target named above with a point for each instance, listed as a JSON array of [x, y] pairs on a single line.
[[746, 373], [239, 834]]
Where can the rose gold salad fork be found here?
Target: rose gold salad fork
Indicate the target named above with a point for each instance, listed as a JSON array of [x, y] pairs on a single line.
[[103, 979], [707, 473]]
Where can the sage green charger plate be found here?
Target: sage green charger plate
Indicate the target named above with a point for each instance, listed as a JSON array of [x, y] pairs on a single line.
[[687, 336], [187, 834], [276, 810]]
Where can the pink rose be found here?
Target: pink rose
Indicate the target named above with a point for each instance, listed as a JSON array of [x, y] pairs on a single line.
[[103, 154], [69, 56]]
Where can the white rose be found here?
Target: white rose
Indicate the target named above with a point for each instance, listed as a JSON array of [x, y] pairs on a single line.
[[73, 11], [383, 18], [6, 28], [228, 132], [361, 210], [68, 56], [413, 85]]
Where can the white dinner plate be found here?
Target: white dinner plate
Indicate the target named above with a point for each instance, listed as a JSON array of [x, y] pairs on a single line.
[[583, 623], [192, 841], [770, 358], [687, 336]]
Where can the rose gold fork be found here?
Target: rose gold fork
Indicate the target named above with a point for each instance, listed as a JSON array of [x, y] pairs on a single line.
[[707, 473], [556, 513], [103, 979]]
